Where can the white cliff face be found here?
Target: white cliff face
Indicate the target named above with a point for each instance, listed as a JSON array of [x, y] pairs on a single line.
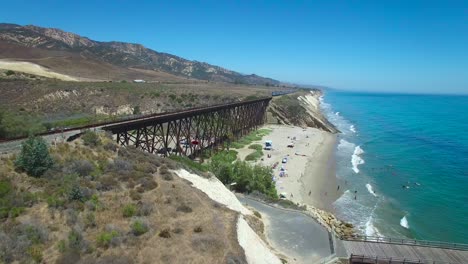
[[256, 250]]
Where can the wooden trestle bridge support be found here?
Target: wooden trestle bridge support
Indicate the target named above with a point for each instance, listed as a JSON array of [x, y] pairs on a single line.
[[192, 131]]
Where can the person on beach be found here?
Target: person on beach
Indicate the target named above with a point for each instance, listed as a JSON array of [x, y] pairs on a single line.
[[337, 189], [310, 192]]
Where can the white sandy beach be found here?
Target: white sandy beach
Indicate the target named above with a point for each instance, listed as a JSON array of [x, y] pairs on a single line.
[[310, 166]]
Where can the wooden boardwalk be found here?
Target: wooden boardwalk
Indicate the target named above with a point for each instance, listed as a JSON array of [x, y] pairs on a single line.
[[410, 252]]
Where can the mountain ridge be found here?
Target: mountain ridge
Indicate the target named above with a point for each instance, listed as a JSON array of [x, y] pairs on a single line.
[[121, 54]]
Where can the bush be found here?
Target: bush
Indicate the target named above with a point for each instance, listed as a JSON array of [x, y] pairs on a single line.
[[247, 177], [256, 147], [139, 228], [81, 167], [76, 194], [184, 208], [254, 156], [34, 157], [168, 177], [104, 239], [90, 138], [61, 246], [75, 239], [136, 110], [121, 166], [145, 209], [135, 195], [129, 210], [90, 220], [198, 229], [148, 183], [9, 72], [165, 233]]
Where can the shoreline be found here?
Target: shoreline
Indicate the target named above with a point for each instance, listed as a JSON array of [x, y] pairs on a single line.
[[310, 167]]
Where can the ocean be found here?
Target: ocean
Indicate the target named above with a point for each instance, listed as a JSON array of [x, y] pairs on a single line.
[[402, 162]]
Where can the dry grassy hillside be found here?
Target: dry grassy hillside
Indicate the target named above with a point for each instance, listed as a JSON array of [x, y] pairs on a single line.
[[32, 103], [103, 204]]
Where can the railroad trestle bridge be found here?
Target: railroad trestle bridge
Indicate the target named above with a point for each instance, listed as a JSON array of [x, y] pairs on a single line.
[[192, 131]]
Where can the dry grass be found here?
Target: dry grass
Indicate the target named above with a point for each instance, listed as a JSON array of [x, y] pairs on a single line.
[[183, 224]]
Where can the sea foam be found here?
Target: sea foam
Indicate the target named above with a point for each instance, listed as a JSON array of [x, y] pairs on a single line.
[[356, 160], [404, 222], [371, 230], [352, 129], [371, 191]]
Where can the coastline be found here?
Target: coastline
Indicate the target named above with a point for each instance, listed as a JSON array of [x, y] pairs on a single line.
[[310, 167]]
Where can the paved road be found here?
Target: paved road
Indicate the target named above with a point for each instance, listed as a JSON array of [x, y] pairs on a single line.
[[293, 233]]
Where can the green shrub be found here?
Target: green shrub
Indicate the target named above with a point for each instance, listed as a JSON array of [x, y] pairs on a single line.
[[136, 110], [248, 178], [104, 239], [14, 124], [9, 72], [16, 211], [61, 246], [90, 138], [257, 214], [34, 157], [76, 194], [75, 239], [173, 97], [5, 188], [129, 210], [139, 228], [254, 156], [90, 220], [55, 202], [256, 147]]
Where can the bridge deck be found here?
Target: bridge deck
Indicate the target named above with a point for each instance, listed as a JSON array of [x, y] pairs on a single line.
[[390, 250]]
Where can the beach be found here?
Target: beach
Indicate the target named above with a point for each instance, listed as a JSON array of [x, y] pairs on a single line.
[[309, 171]]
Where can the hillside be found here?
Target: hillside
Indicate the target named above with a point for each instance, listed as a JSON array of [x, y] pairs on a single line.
[[79, 56], [100, 203], [32, 104]]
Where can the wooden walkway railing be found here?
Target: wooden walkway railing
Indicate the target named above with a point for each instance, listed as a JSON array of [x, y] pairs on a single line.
[[412, 242], [361, 259]]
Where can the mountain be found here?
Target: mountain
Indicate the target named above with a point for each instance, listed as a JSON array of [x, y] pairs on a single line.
[[33, 42]]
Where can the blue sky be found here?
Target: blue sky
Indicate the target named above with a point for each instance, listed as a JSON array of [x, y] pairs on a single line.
[[400, 46]]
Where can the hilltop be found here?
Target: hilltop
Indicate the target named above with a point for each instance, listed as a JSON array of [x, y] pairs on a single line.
[[81, 57]]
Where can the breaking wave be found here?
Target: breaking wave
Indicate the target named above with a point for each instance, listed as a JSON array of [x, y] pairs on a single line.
[[371, 191], [356, 160], [404, 222], [371, 230], [352, 129]]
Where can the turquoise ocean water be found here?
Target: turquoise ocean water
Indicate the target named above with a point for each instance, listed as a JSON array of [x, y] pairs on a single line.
[[405, 160]]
